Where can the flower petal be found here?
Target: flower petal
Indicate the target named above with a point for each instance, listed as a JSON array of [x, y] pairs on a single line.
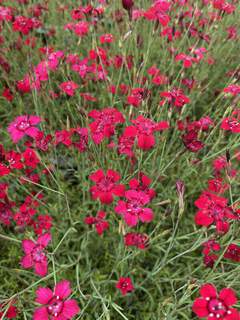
[[200, 307], [208, 291], [40, 314], [228, 296], [63, 289], [44, 295], [28, 246], [70, 308]]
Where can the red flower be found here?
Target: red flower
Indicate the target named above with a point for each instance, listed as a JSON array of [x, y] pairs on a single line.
[[213, 210], [30, 158], [209, 247], [106, 38], [35, 255], [12, 311], [6, 14], [138, 240], [212, 305], [191, 142], [104, 124], [81, 135], [64, 137], [69, 87], [125, 285], [7, 94], [233, 89], [4, 170], [142, 184], [99, 221], [56, 304], [43, 223], [23, 24], [143, 129], [106, 186], [175, 97], [14, 160], [231, 124], [187, 60], [42, 142], [6, 213], [233, 252], [126, 142], [133, 209]]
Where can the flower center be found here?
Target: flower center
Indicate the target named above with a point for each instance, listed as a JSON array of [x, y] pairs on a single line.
[[217, 308], [106, 184], [38, 254], [134, 208], [23, 125], [55, 307]]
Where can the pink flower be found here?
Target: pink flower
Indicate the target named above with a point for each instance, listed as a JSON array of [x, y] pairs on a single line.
[[104, 124], [69, 87], [133, 209], [212, 305], [24, 125], [106, 186], [35, 255], [99, 221], [55, 303], [125, 285]]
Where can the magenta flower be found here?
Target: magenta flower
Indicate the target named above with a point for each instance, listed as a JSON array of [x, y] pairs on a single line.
[[133, 209], [55, 303], [24, 125], [34, 254], [106, 186]]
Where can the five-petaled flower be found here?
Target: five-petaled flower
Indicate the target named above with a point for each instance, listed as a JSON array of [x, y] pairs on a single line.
[[99, 222], [56, 304], [214, 306], [133, 209], [106, 186], [214, 210], [24, 125], [35, 255], [125, 285]]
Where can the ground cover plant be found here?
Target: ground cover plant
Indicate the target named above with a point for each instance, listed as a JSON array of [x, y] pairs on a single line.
[[119, 159]]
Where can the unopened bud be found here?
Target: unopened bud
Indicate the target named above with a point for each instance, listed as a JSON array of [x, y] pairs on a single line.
[[127, 4], [180, 191]]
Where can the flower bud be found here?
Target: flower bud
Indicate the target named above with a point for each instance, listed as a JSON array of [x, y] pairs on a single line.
[[180, 191], [127, 4]]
